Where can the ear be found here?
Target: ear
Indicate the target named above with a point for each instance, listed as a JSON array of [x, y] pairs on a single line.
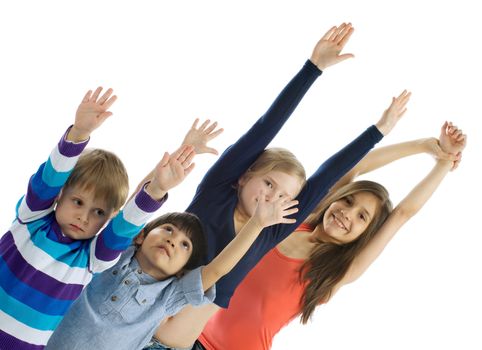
[[242, 180], [139, 238], [114, 214]]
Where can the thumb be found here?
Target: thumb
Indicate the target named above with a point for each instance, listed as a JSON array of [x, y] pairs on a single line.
[[164, 160], [212, 151], [345, 57], [443, 129], [105, 115], [446, 156]]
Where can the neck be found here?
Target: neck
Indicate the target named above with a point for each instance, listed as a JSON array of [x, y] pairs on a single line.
[[240, 219], [298, 245]]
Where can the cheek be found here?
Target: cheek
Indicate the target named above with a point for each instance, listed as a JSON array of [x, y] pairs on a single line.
[[99, 221]]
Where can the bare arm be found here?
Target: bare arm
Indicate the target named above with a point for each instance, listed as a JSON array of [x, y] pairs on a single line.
[[385, 155], [452, 140], [267, 213], [406, 209]]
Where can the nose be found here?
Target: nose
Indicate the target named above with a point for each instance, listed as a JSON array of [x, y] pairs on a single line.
[[83, 216], [171, 242], [345, 214]]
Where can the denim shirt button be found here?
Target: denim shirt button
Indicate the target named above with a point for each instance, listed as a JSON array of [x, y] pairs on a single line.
[[115, 272], [139, 271], [113, 298], [127, 282], [144, 301]]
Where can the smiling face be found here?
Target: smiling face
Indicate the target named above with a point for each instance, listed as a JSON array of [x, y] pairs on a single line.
[[79, 215], [164, 251], [347, 218], [274, 184]]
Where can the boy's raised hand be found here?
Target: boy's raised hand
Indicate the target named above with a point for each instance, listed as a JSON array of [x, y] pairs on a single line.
[[274, 211], [393, 113], [199, 137], [171, 171], [327, 51], [91, 113], [453, 141]]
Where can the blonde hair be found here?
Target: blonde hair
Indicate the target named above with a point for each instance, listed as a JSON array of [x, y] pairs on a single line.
[[276, 159], [103, 173], [329, 262]]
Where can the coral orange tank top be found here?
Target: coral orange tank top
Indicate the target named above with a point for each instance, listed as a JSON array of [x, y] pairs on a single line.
[[266, 300]]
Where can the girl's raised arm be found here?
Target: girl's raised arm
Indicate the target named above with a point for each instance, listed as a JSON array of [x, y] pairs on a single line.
[[407, 208]]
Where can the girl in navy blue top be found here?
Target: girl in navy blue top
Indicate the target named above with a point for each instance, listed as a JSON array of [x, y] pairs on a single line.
[[227, 195]]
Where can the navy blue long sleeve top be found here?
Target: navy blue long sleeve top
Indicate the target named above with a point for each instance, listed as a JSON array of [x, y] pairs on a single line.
[[216, 198]]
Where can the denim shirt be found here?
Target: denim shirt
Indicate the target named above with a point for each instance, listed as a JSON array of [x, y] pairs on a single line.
[[122, 307]]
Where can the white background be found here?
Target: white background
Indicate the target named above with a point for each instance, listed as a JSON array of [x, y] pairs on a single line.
[[171, 62]]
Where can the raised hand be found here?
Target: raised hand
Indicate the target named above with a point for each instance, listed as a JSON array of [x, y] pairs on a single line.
[[453, 141], [327, 51], [432, 146], [274, 211], [393, 113], [171, 171], [91, 113], [199, 137]]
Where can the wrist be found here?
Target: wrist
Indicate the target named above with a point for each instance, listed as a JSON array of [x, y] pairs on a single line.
[[383, 128], [154, 192], [256, 225], [445, 164], [426, 144], [76, 135]]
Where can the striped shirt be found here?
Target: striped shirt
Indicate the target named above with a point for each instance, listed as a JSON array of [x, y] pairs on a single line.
[[42, 271]]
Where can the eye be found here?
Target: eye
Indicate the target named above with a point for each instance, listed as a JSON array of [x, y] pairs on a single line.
[[363, 217], [168, 229], [99, 212], [185, 245], [268, 183], [77, 202], [348, 200]]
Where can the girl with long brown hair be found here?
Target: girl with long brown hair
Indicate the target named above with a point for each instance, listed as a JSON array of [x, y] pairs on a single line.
[[335, 245]]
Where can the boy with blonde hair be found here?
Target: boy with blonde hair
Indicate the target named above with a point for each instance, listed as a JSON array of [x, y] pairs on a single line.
[[54, 247]]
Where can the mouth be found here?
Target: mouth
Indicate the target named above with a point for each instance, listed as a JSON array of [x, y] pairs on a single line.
[[165, 250], [339, 222], [76, 228]]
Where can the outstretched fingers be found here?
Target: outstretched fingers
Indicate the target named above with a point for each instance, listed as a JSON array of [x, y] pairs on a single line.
[[345, 34], [287, 208], [185, 155], [403, 98], [87, 96], [329, 33]]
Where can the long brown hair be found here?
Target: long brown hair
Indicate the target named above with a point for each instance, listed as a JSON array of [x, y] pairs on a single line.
[[329, 262]]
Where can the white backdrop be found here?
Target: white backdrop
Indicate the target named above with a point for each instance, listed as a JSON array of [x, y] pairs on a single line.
[[171, 62]]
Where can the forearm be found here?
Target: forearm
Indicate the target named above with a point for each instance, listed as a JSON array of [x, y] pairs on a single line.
[[120, 231], [382, 156], [421, 193], [46, 183], [231, 254], [247, 148]]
